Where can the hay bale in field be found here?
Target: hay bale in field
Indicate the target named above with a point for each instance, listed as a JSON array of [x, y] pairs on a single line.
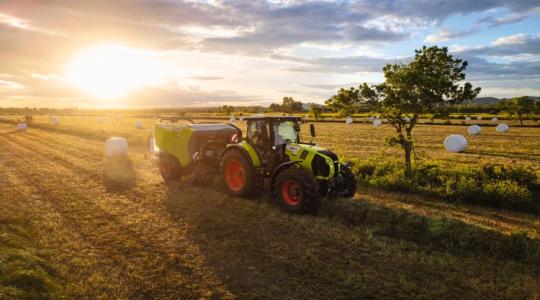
[[467, 118], [479, 118], [455, 143], [116, 146], [54, 120], [407, 119], [494, 119], [348, 120], [474, 129], [502, 128], [22, 126], [138, 125], [233, 119], [377, 122]]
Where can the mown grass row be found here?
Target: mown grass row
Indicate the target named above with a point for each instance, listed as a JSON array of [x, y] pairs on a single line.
[[438, 233], [25, 271]]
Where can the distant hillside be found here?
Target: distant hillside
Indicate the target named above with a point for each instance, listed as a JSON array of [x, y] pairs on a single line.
[[493, 100]]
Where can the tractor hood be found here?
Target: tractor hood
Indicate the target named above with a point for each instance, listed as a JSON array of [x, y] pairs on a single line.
[[323, 163]]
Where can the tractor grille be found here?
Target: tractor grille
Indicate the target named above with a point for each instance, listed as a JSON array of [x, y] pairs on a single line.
[[334, 158]]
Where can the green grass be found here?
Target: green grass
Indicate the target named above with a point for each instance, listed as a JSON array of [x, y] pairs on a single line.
[[25, 271]]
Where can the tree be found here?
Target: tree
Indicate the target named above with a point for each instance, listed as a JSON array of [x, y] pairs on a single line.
[[344, 101], [291, 106], [431, 80], [275, 107], [316, 111], [519, 107], [227, 109]]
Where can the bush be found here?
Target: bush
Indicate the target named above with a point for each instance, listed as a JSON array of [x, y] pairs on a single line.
[[493, 185]]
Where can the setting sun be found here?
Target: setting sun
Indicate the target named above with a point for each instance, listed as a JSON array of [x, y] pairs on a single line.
[[113, 71]]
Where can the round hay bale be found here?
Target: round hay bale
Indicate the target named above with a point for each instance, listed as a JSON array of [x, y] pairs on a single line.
[[455, 143], [502, 128], [494, 119], [233, 119], [467, 118], [377, 122], [348, 120], [22, 126], [54, 120], [479, 118], [138, 125], [116, 146], [474, 129]]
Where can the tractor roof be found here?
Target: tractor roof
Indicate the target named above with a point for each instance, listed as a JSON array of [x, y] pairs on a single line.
[[273, 118]]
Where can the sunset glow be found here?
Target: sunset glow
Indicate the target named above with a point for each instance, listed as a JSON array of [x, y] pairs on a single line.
[[113, 71]]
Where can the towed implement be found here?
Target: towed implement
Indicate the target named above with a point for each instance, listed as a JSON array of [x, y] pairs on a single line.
[[271, 156]]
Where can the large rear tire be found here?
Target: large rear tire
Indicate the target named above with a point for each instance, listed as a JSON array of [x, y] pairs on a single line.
[[237, 174], [295, 190], [169, 167]]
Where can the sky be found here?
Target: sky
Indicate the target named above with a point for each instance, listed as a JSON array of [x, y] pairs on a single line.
[[171, 53]]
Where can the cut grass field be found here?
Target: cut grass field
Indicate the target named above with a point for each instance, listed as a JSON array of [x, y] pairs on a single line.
[[143, 239]]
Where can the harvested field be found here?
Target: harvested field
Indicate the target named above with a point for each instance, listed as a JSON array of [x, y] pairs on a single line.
[[128, 235]]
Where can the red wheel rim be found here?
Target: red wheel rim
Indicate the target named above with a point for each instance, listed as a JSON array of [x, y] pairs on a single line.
[[291, 192], [235, 175], [165, 169]]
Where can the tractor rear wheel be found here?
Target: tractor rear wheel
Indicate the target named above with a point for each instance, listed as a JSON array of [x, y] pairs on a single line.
[[169, 167], [237, 174], [295, 190]]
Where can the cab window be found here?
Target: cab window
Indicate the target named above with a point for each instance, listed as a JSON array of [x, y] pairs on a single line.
[[257, 133], [285, 132]]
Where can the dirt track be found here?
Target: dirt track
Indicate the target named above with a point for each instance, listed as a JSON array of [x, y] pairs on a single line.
[[138, 238]]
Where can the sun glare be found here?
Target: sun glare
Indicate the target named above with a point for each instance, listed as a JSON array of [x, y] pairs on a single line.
[[113, 71]]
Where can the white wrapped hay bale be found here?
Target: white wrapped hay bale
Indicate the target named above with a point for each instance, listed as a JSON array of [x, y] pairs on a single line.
[[502, 128], [116, 146], [455, 143], [233, 119], [348, 120], [377, 122], [22, 126], [54, 120], [494, 119], [467, 118], [407, 119], [474, 129], [138, 125]]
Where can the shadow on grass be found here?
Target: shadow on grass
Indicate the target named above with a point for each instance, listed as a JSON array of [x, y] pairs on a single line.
[[438, 233], [350, 248], [118, 174]]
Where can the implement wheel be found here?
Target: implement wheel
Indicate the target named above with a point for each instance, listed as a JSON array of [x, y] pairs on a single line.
[[295, 190], [169, 167], [237, 174]]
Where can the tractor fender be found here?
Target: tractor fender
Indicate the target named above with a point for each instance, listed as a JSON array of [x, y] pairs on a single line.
[[280, 168], [241, 149]]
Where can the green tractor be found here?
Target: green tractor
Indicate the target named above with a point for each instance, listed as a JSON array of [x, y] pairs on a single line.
[[271, 156]]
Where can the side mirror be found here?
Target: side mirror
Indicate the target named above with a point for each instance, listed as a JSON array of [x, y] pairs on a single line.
[[312, 129]]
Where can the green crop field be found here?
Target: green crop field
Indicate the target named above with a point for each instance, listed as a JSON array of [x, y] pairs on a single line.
[[144, 239]]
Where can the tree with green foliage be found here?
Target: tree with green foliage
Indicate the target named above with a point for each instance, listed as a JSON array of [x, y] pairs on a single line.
[[431, 80], [519, 107], [227, 109], [344, 101], [316, 110], [290, 105]]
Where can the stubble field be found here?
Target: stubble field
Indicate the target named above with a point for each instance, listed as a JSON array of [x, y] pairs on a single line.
[[137, 237]]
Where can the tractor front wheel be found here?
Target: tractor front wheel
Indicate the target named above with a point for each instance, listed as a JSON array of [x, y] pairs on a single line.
[[169, 167], [237, 174], [295, 190]]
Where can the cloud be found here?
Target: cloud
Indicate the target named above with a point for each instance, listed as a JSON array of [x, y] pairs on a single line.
[[506, 46], [446, 34]]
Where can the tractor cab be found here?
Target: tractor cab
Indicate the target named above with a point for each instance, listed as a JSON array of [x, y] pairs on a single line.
[[269, 133]]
